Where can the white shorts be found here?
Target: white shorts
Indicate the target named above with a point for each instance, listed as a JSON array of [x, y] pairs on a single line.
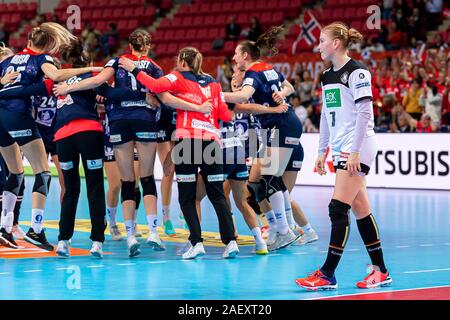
[[367, 155]]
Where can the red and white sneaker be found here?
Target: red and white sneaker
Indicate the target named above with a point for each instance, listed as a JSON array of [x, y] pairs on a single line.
[[375, 279], [317, 281]]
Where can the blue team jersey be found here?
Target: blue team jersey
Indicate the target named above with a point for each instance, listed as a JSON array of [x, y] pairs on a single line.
[[265, 80], [45, 115], [29, 64], [132, 109]]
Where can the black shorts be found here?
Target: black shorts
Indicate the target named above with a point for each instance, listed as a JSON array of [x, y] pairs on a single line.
[[295, 163], [236, 171], [50, 147], [4, 173], [123, 131], [165, 134], [108, 155], [17, 127], [340, 165]]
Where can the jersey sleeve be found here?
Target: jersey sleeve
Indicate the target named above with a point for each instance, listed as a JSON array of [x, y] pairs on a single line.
[[224, 113], [360, 84], [167, 83], [43, 59], [113, 63], [157, 71], [251, 79], [39, 89]]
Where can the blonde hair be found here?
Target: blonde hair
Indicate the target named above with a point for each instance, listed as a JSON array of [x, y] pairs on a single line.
[[51, 37], [265, 45], [339, 30], [5, 52], [140, 40], [193, 59]]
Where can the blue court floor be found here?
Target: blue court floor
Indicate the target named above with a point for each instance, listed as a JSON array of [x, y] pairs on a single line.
[[414, 227]]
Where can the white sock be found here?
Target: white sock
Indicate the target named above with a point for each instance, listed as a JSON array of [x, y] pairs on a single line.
[[8, 201], [307, 228], [129, 227], [257, 235], [166, 213], [277, 202], [37, 218], [135, 216], [152, 220], [112, 211], [7, 221], [289, 215], [270, 216]]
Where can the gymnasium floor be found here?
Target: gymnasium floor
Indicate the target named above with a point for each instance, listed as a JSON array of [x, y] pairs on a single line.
[[414, 227]]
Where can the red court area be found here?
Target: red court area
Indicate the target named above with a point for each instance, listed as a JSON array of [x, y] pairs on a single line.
[[440, 293]]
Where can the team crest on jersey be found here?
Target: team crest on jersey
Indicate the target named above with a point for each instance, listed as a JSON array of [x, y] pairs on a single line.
[[361, 75], [344, 77], [333, 98]]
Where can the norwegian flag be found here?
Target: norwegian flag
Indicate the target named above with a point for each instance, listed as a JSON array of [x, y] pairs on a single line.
[[419, 54], [309, 32]]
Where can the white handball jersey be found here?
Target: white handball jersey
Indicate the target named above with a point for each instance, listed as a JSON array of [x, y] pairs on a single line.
[[341, 90]]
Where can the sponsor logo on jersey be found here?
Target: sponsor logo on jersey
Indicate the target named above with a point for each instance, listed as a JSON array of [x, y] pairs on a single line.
[[20, 59], [216, 177], [362, 85], [203, 125], [94, 164], [344, 77], [147, 135], [48, 58], [115, 138], [66, 165], [248, 82], [292, 140], [361, 75], [172, 78], [21, 133], [297, 164], [110, 63], [140, 103], [271, 75], [185, 177], [333, 98]]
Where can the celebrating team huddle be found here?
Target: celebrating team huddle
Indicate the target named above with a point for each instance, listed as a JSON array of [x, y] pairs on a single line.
[[246, 142]]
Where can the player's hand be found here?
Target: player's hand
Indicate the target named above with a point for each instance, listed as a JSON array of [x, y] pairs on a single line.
[[282, 108], [9, 77], [168, 165], [353, 165], [278, 97], [320, 164], [152, 101], [126, 64], [100, 99], [61, 89], [206, 107]]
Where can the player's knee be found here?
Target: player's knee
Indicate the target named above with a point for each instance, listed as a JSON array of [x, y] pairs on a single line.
[[270, 185], [127, 191], [148, 186], [339, 212], [14, 182], [42, 183]]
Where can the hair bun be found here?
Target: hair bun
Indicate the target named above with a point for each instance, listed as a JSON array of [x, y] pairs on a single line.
[[354, 36]]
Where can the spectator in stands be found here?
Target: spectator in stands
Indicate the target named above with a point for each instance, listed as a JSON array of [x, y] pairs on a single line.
[[416, 26], [91, 40], [302, 114], [434, 12], [305, 87], [424, 125], [431, 100], [232, 29], [411, 99], [110, 40], [255, 29], [225, 74], [438, 42], [387, 8], [395, 37], [400, 121], [4, 35]]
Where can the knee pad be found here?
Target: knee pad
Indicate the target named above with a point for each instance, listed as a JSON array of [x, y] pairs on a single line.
[[256, 191], [282, 185], [127, 190], [13, 183], [148, 186], [42, 183], [339, 212], [254, 204], [137, 197], [270, 185]]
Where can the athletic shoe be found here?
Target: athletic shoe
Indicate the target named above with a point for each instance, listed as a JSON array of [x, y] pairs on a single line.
[[97, 249], [133, 247], [194, 252], [317, 281], [137, 233], [307, 237], [155, 242], [38, 239], [116, 235], [168, 228], [18, 233], [265, 232], [63, 248], [183, 221], [375, 279], [185, 248], [283, 240], [231, 250], [261, 249], [7, 240], [271, 238]]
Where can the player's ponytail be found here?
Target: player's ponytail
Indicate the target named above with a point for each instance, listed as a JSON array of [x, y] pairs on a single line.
[[51, 37], [140, 41], [348, 36], [75, 55], [265, 45], [193, 59], [5, 51]]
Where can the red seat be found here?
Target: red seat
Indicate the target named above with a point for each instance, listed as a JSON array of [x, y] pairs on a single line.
[[132, 25], [227, 7], [118, 13], [198, 21], [204, 7], [221, 20], [229, 47], [179, 34], [205, 48], [216, 7], [202, 34], [165, 24], [213, 33], [209, 21], [186, 22]]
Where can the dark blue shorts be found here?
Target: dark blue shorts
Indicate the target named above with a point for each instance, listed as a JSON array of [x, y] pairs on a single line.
[[4, 173], [123, 131], [165, 133], [236, 171], [17, 127], [287, 132], [295, 163]]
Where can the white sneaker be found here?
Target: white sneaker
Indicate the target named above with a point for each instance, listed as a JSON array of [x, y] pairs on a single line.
[[137, 233], [194, 252], [231, 250], [284, 240], [97, 249], [307, 237], [63, 249], [261, 248], [155, 242], [18, 233], [133, 247], [185, 248], [273, 236], [116, 235]]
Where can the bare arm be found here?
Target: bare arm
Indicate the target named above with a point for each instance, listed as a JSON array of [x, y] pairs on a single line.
[[63, 89], [255, 108], [59, 75], [239, 96], [180, 104]]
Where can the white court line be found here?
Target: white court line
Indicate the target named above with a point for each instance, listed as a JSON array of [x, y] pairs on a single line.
[[425, 245], [28, 271], [4, 273], [447, 244], [377, 292], [400, 247], [352, 249], [300, 253], [126, 264], [324, 251], [23, 252], [424, 271], [275, 254], [245, 256], [156, 262], [96, 266], [59, 269], [20, 249]]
